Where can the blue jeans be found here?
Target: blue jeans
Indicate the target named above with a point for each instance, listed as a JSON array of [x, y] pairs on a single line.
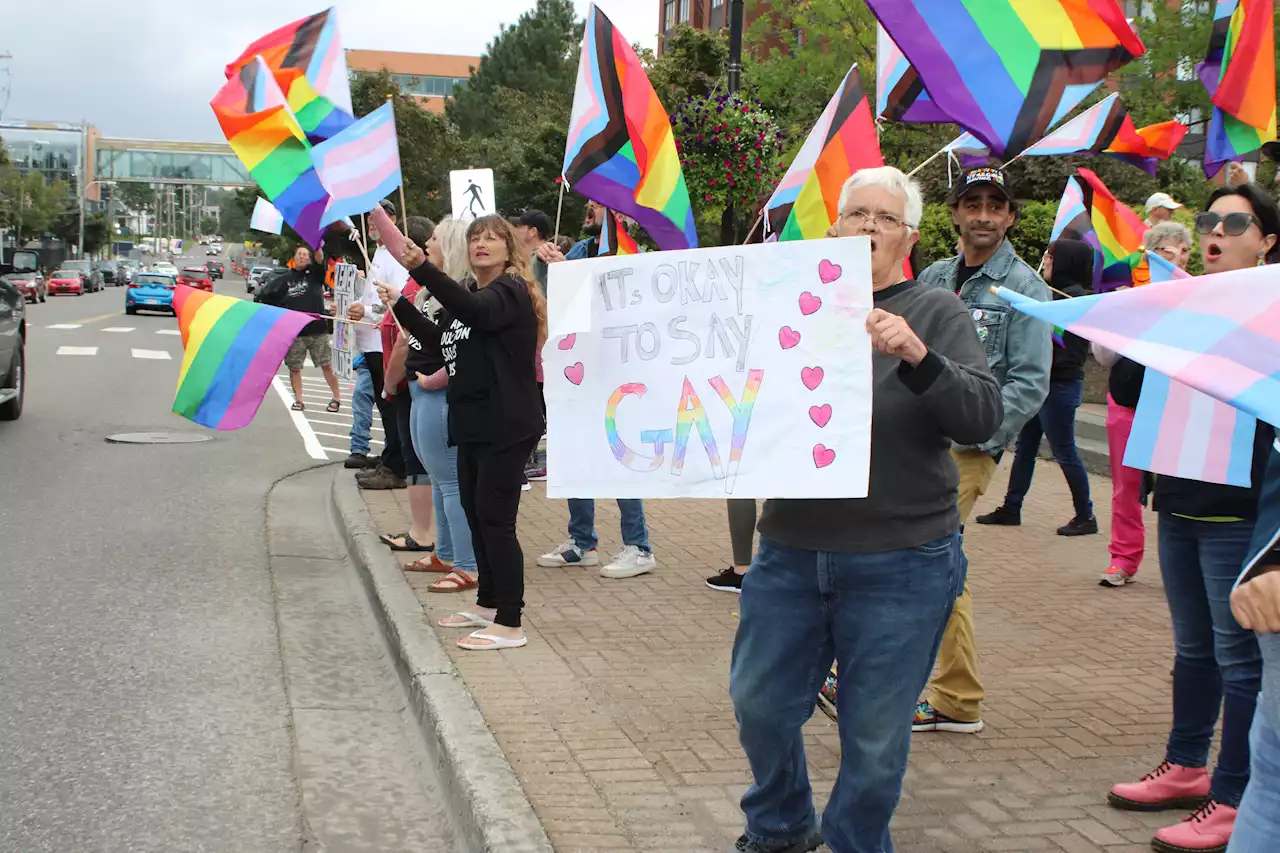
[[362, 410], [1057, 421], [429, 420], [1217, 663], [582, 523], [1258, 823], [881, 616]]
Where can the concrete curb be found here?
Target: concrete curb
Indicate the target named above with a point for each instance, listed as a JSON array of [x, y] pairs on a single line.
[[493, 814]]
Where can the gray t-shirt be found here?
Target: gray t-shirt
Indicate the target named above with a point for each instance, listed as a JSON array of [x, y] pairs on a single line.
[[917, 414]]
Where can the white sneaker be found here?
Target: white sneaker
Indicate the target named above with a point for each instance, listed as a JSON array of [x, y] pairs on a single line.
[[629, 562], [569, 554]]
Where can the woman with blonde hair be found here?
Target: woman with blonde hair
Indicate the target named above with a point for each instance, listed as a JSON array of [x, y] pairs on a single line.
[[490, 331]]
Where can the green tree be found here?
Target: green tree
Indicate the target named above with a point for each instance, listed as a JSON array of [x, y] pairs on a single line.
[[28, 204], [208, 225], [1162, 83], [428, 144], [538, 55], [693, 64]]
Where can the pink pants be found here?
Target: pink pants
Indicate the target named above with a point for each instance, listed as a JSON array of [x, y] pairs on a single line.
[[1127, 530]]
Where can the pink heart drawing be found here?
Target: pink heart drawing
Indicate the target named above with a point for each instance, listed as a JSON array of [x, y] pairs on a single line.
[[820, 415], [823, 455], [811, 377], [788, 337], [567, 342], [809, 303], [574, 373], [829, 272]]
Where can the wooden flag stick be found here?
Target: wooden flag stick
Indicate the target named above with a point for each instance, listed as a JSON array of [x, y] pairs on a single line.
[[933, 157], [759, 219], [559, 208]]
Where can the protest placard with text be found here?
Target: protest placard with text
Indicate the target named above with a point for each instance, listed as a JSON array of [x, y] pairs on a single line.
[[737, 371]]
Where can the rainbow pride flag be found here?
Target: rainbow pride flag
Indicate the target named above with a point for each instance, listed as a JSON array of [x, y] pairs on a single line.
[[232, 349], [308, 63], [1089, 212], [900, 95], [267, 138], [614, 239], [807, 199], [1218, 334], [1239, 71], [1008, 70], [1107, 128], [621, 151]]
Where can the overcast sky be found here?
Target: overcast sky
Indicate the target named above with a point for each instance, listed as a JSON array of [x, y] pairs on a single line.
[[148, 68]]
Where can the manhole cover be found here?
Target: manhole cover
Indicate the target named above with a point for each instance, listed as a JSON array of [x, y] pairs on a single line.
[[157, 438]]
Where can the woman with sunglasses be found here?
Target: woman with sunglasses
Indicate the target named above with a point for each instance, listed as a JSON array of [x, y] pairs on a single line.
[[1204, 533]]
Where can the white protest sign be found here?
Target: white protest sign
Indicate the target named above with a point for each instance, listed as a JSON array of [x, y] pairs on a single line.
[[472, 193], [741, 371], [347, 287]]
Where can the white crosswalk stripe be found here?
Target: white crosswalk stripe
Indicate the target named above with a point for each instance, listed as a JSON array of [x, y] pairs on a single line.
[[120, 329], [65, 326], [168, 332], [155, 354], [77, 351]]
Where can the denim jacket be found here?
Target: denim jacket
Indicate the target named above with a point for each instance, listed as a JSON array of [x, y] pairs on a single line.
[[1265, 550], [1019, 347]]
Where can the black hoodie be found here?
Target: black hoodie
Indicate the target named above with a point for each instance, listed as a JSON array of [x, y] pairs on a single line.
[[1073, 275]]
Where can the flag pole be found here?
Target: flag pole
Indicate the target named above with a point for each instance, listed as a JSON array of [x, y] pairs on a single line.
[[753, 228], [933, 157], [559, 208]]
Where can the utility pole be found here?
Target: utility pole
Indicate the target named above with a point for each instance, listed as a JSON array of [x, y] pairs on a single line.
[[728, 225], [81, 185]]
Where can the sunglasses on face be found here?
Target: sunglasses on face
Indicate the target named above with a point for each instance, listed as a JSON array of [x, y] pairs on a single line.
[[1233, 224]]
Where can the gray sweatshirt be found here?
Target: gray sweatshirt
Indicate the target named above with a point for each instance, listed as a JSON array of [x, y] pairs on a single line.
[[917, 413]]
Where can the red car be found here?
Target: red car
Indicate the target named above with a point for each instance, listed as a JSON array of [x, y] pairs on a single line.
[[196, 277], [66, 281]]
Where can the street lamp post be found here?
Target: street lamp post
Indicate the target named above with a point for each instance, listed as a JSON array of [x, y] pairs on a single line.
[[728, 227], [84, 195]]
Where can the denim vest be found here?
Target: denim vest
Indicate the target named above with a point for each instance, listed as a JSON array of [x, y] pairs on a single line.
[[1019, 347]]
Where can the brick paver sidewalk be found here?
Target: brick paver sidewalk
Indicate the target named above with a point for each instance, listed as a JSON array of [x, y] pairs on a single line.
[[617, 718]]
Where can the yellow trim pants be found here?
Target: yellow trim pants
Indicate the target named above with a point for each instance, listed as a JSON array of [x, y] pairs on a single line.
[[956, 691]]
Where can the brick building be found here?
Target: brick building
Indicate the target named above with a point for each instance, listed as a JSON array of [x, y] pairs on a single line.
[[430, 78]]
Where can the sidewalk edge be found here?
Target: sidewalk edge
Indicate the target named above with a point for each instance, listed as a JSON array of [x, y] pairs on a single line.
[[494, 815]]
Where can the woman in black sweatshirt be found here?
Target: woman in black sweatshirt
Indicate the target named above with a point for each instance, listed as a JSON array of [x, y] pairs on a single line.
[[1068, 266], [489, 336]]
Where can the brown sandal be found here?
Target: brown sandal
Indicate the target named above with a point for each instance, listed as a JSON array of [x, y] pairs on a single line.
[[455, 581], [429, 564]]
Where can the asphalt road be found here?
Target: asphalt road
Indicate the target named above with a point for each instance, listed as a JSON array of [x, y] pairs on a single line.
[[143, 698]]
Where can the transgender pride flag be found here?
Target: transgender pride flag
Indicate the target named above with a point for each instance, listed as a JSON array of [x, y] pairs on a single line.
[[360, 166]]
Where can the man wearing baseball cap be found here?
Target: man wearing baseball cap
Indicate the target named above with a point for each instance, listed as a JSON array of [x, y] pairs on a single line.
[[1019, 351], [1160, 208]]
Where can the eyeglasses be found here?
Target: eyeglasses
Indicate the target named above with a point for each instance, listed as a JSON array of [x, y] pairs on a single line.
[[1233, 224], [882, 221]]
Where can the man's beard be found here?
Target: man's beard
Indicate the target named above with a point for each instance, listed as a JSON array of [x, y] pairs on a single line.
[[592, 229]]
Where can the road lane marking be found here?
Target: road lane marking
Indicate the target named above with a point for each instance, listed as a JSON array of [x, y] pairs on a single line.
[[119, 329], [309, 441], [157, 354], [333, 435], [110, 316], [64, 326], [168, 332], [77, 351], [338, 423]]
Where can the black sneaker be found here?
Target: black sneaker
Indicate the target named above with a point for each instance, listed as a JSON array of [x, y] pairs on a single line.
[[1079, 527], [807, 844], [357, 460], [726, 581], [1003, 516]]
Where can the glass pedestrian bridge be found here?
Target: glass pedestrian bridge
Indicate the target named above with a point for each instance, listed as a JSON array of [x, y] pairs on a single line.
[[163, 162]]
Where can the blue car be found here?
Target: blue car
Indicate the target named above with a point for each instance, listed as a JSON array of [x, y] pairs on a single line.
[[149, 291]]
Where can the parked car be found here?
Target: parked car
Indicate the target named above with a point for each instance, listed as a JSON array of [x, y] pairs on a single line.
[[197, 277], [149, 291], [13, 343], [255, 278], [31, 285], [216, 269], [90, 276], [66, 281], [107, 271]]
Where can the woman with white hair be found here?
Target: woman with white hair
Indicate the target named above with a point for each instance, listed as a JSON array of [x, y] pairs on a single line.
[[1169, 240], [866, 582]]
